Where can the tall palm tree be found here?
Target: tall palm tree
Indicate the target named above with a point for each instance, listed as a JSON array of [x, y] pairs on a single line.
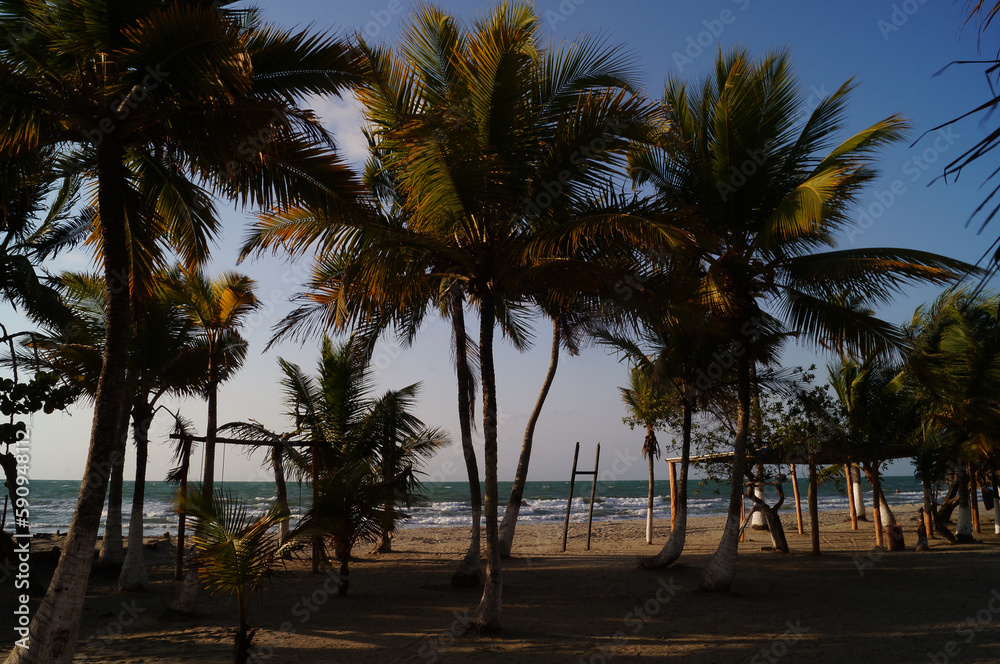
[[164, 358], [482, 129], [764, 194], [217, 307], [646, 408], [168, 100]]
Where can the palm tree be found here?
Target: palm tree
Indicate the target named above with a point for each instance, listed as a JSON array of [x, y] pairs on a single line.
[[762, 198], [235, 553], [163, 358], [646, 408], [152, 111], [483, 129], [364, 453], [955, 376], [217, 308], [875, 415]]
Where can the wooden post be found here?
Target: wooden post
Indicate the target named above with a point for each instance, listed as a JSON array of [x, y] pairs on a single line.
[[593, 492], [813, 508], [850, 496], [974, 500], [673, 494], [317, 541], [798, 505], [569, 503]]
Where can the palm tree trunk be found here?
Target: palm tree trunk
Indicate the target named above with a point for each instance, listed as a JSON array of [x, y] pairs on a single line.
[[651, 493], [928, 521], [487, 615], [212, 426], [112, 550], [759, 520], [996, 502], [133, 576], [859, 494], [963, 527], [388, 507], [55, 626], [888, 518], [671, 551], [872, 473], [721, 568], [510, 515], [190, 589], [470, 572], [277, 462]]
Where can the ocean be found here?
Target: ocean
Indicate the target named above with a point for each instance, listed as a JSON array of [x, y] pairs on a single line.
[[52, 501]]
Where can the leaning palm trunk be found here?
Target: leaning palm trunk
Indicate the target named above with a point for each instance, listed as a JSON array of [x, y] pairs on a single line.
[[888, 518], [671, 551], [487, 614], [470, 571], [510, 515], [56, 623], [722, 567], [133, 575], [112, 550]]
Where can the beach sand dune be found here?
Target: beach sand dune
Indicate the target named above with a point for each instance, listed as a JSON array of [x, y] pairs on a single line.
[[852, 604]]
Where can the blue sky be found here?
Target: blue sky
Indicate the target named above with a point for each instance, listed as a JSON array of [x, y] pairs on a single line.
[[891, 49]]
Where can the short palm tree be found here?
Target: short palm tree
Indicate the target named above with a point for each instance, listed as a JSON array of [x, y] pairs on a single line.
[[365, 451], [765, 196], [164, 103], [235, 552]]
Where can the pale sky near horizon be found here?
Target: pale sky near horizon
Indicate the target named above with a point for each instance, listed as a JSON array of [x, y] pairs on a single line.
[[892, 49]]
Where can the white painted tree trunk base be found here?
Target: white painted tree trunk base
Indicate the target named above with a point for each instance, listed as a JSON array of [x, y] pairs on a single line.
[[964, 522], [996, 514], [859, 494]]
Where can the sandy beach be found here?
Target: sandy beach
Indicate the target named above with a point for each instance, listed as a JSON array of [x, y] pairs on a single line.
[[851, 604]]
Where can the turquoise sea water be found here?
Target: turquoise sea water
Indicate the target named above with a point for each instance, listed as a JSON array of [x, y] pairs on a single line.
[[52, 501]]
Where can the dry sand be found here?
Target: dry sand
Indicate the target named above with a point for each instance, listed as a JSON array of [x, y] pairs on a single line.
[[848, 605]]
